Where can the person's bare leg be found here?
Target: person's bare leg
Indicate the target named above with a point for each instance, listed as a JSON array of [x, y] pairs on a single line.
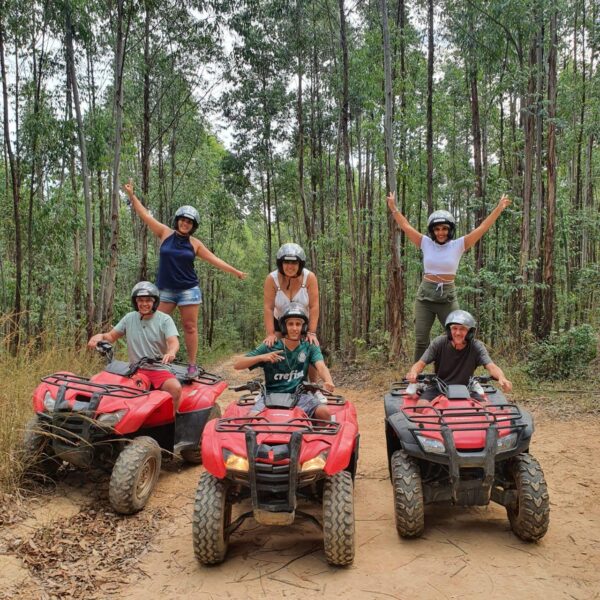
[[173, 387], [322, 412], [189, 320], [166, 307]]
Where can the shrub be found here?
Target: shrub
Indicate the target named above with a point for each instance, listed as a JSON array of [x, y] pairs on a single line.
[[563, 355]]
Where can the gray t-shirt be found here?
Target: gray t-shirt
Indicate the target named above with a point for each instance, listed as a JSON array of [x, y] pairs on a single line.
[[455, 366], [146, 337]]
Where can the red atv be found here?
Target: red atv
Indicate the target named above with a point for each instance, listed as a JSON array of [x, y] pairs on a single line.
[[115, 421], [467, 446], [274, 458]]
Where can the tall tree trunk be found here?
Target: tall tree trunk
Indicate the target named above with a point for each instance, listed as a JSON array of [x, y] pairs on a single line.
[[111, 270], [395, 291], [548, 291], [16, 197], [344, 124], [430, 50], [537, 255], [89, 247], [528, 109], [145, 158]]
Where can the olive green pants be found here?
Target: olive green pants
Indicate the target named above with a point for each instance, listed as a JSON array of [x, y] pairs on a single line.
[[433, 300]]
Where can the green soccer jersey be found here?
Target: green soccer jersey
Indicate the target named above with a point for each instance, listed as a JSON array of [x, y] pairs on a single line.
[[285, 376]]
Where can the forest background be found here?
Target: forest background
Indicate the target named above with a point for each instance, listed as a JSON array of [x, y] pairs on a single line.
[[325, 105]]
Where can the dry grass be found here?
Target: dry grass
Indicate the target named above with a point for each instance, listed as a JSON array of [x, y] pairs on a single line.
[[19, 376]]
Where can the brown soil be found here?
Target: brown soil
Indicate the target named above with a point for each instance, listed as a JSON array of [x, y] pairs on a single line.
[[464, 553]]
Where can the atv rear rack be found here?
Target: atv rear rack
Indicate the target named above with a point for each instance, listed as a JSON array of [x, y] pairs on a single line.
[[301, 425]]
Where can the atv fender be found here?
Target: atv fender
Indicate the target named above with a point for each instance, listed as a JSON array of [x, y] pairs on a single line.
[[342, 449], [189, 427], [212, 456], [399, 434], [40, 392], [156, 410]]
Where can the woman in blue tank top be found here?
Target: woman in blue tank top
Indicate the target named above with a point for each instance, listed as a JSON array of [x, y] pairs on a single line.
[[176, 278]]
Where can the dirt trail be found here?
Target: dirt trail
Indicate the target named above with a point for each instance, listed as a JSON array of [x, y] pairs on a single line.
[[464, 553]]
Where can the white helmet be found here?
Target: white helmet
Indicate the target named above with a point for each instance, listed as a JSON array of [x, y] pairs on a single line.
[[441, 217], [291, 252], [188, 212]]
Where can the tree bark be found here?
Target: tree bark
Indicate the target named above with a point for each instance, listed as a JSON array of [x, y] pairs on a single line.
[[89, 247], [111, 270], [15, 178]]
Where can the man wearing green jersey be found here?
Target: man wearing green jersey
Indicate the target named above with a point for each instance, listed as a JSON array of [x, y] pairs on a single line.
[[286, 363]]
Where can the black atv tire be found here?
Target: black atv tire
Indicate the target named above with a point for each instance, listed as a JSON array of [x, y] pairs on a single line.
[[530, 515], [36, 451], [193, 456], [338, 519], [134, 475], [211, 518], [409, 508]]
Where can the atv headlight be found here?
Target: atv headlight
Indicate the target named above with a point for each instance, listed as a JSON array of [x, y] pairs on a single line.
[[431, 445], [233, 462], [315, 464], [508, 442], [49, 401], [111, 419]]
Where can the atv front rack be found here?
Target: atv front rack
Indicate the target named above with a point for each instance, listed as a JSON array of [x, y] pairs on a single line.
[[273, 470], [303, 425], [502, 416], [90, 391]]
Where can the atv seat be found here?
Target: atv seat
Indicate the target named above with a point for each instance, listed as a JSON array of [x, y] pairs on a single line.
[[118, 367]]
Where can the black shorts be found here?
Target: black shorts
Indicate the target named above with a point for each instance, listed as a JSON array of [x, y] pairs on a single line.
[[277, 328]]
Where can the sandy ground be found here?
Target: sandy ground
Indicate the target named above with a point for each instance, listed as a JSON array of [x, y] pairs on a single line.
[[464, 553]]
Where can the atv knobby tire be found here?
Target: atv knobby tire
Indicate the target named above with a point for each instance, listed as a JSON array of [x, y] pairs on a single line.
[[409, 508], [37, 455], [193, 456], [212, 516], [134, 475], [530, 515], [338, 519]]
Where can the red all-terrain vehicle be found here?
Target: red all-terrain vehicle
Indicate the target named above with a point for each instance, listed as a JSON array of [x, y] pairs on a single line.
[[114, 421], [273, 459], [469, 446]]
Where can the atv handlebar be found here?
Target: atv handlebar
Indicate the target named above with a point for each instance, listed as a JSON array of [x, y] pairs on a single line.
[[105, 349], [254, 385]]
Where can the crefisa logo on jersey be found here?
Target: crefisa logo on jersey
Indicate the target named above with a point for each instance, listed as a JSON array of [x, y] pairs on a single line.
[[289, 376]]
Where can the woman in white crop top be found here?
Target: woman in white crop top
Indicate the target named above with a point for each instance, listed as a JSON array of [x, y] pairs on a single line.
[[291, 282], [436, 296]]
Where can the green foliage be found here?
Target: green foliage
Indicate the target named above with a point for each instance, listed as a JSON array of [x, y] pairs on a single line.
[[565, 354]]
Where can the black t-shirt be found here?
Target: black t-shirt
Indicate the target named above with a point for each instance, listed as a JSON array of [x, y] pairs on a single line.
[[455, 366]]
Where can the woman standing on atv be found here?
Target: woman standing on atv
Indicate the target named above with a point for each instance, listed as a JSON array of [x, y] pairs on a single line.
[[290, 282], [177, 279], [436, 296]]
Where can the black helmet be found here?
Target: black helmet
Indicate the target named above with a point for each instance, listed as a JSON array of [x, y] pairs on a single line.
[[145, 289], [291, 252], [189, 212], [294, 310], [461, 317], [441, 217]]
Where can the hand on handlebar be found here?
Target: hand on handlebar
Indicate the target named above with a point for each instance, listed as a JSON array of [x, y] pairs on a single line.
[[411, 377]]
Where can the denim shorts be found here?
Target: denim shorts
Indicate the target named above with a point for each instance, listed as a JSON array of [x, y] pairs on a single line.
[[182, 297], [308, 402]]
